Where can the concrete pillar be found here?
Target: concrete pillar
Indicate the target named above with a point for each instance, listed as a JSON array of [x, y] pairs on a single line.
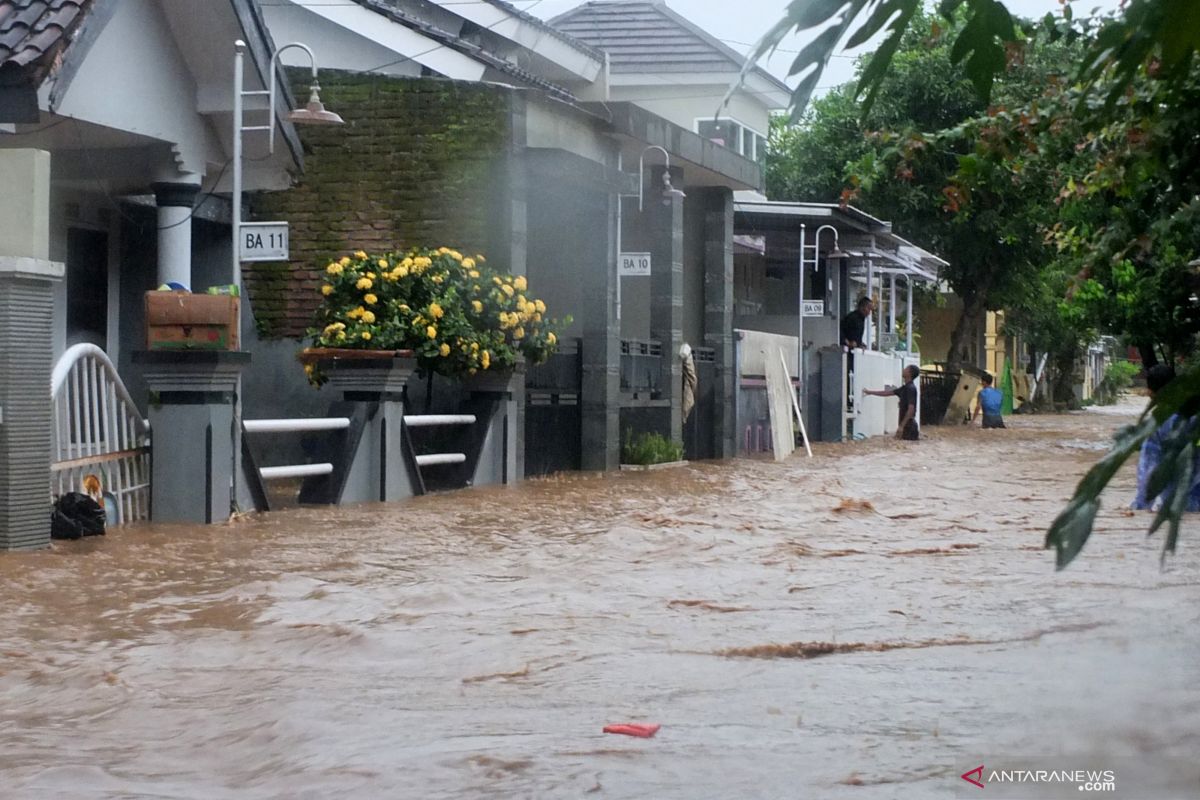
[[193, 396], [665, 219], [600, 355], [379, 471], [176, 202], [718, 315], [27, 286]]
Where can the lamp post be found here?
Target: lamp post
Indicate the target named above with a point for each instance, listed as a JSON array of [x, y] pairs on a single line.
[[669, 191], [313, 113], [814, 261]]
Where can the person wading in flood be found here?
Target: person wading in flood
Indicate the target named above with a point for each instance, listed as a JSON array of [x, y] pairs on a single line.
[[989, 403], [909, 428], [1150, 457]]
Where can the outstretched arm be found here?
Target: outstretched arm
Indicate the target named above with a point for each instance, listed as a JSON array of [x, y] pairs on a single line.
[[879, 392]]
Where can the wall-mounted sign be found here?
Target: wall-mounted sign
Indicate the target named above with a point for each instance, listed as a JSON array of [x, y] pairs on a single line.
[[634, 265], [814, 308], [263, 241]]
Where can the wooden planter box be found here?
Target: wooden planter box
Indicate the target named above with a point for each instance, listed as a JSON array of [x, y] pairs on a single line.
[[313, 355], [182, 321]]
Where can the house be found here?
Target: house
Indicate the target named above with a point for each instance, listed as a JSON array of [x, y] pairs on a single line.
[[843, 254], [537, 161], [666, 64], [116, 130]]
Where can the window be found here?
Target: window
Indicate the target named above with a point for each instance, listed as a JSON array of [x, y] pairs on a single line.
[[737, 137], [724, 132]]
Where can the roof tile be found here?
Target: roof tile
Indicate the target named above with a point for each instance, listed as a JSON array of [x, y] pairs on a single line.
[[33, 33]]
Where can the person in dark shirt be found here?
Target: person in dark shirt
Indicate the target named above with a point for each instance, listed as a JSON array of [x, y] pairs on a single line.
[[908, 429], [854, 324]]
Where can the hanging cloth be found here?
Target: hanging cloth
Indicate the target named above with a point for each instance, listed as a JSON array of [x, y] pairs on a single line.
[[690, 379]]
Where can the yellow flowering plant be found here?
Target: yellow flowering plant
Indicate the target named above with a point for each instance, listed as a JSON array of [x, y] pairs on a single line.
[[456, 314]]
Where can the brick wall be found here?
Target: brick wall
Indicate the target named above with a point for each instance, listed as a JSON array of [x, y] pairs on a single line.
[[419, 162]]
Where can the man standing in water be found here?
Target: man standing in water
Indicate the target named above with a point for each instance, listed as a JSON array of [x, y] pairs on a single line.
[[990, 403], [909, 429]]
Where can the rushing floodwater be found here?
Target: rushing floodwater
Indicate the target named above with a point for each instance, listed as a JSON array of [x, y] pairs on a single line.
[[868, 624]]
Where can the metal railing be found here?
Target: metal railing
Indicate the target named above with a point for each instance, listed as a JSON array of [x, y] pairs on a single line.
[[98, 431], [641, 366]]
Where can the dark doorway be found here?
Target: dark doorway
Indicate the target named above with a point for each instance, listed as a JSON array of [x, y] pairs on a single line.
[[87, 286]]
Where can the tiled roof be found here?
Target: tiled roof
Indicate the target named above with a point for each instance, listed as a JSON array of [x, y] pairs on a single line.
[[34, 33], [452, 42], [645, 36]]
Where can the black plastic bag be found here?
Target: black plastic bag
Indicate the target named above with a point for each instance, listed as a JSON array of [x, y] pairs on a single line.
[[76, 515]]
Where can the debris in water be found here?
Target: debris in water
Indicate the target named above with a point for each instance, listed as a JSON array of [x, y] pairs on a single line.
[[806, 650], [499, 676], [952, 550], [707, 606], [841, 553], [852, 505], [640, 730]]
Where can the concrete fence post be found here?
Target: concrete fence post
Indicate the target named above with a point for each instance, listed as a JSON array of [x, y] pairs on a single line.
[[27, 284]]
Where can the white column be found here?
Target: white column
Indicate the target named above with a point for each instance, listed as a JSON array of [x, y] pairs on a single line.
[[870, 339], [892, 304], [908, 319], [176, 201]]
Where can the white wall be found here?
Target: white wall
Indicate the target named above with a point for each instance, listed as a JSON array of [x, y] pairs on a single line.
[[338, 48], [683, 104], [134, 79]]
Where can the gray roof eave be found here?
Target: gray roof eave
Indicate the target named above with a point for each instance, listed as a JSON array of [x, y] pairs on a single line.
[[631, 120]]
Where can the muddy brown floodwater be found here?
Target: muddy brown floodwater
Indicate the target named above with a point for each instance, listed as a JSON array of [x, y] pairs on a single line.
[[868, 624]]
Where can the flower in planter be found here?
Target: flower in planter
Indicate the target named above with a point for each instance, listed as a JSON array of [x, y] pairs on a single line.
[[433, 302]]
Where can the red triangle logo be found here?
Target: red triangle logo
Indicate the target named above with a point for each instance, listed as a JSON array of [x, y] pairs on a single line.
[[977, 780]]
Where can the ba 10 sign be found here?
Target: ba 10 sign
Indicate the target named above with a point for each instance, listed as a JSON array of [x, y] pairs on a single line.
[[634, 265], [263, 241]]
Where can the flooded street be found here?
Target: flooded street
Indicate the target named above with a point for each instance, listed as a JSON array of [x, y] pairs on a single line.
[[868, 624]]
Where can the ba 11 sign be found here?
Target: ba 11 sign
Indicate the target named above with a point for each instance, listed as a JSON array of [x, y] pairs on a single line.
[[634, 265], [263, 241]]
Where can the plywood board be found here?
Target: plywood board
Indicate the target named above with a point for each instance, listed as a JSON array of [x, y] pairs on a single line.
[[780, 396]]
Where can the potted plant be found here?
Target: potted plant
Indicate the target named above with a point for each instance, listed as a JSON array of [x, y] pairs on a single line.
[[650, 451], [450, 314]]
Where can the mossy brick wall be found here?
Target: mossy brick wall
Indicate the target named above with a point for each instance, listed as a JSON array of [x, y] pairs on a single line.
[[420, 161]]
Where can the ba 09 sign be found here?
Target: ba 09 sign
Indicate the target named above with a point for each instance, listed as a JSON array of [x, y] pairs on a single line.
[[634, 265], [263, 241], [814, 308]]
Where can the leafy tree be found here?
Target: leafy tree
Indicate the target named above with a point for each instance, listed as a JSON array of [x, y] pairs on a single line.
[[935, 190], [1126, 192]]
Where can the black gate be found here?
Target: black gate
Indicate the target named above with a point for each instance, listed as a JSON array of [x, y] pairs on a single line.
[[698, 429], [553, 416]]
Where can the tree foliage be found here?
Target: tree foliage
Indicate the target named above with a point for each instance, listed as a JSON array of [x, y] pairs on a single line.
[[1108, 153]]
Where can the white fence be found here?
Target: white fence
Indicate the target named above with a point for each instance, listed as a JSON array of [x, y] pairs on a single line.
[[875, 416], [98, 431]]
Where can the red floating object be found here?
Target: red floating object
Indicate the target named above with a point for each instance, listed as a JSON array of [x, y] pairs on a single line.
[[634, 729]]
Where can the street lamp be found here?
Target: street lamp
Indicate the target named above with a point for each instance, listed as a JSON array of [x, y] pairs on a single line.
[[313, 113], [805, 247], [669, 191]]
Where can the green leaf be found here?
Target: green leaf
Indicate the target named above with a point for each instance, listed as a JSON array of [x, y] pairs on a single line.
[[885, 11], [1073, 526]]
